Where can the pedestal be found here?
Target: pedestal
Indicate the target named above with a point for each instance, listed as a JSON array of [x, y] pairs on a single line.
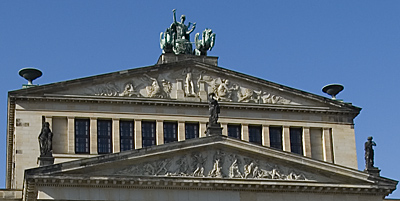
[[214, 129], [373, 171], [46, 160]]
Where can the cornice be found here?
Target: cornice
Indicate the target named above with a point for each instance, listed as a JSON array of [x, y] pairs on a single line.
[[169, 102], [156, 182]]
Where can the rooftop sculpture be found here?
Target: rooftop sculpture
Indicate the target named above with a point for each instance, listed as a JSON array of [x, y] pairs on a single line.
[[176, 38]]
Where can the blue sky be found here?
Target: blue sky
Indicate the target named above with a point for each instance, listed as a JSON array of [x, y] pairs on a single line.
[[302, 44]]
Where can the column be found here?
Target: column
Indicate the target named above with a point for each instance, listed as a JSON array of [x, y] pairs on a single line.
[[138, 134], [265, 136], [202, 129], [245, 132], [159, 132], [327, 144], [115, 136], [224, 129], [93, 135], [286, 139], [71, 135], [306, 142], [181, 131]]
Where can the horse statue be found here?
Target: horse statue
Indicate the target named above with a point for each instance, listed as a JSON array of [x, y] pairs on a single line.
[[207, 43]]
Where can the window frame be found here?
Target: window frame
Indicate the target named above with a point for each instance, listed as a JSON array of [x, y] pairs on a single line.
[[78, 136], [126, 140], [150, 135]]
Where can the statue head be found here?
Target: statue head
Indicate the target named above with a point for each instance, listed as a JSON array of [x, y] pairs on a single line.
[[183, 17], [369, 138]]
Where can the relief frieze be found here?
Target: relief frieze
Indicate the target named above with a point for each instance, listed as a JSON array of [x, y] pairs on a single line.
[[215, 164], [191, 85]]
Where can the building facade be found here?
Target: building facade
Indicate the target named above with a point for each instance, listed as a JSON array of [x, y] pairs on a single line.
[[141, 134]]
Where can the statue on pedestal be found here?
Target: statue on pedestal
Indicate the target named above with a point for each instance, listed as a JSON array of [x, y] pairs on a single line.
[[213, 110], [176, 38], [369, 153], [46, 140]]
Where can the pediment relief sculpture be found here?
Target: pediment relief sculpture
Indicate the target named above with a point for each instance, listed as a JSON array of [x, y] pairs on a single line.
[[215, 164], [191, 85]]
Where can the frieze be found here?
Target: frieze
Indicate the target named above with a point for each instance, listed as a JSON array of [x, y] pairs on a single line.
[[188, 84], [215, 164]]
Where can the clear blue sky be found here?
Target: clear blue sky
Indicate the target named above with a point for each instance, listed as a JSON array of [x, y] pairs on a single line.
[[302, 44]]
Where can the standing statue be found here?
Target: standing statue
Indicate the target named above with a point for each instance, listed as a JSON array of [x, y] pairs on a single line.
[[213, 109], [369, 153], [46, 140], [207, 43]]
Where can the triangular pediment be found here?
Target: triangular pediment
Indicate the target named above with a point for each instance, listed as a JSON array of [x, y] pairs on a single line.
[[215, 157], [189, 81]]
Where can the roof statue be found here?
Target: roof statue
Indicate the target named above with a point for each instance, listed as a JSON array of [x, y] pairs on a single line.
[[176, 38], [369, 157]]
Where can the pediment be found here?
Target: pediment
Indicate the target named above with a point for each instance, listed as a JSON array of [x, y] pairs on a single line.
[[214, 157], [188, 81]]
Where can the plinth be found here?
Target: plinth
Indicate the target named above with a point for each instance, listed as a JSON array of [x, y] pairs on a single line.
[[47, 159], [214, 129], [373, 171]]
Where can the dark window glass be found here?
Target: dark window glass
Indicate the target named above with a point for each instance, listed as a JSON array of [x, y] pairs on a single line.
[[126, 135], [255, 133], [191, 130], [170, 132], [275, 137], [296, 141], [235, 131], [148, 133], [104, 136], [82, 134]]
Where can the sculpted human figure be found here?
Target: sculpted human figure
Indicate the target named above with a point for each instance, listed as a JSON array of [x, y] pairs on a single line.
[[369, 153], [154, 89], [213, 109], [224, 92], [189, 88], [182, 31], [46, 140]]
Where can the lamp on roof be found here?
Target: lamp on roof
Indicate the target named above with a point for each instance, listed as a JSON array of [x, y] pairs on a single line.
[[30, 74], [333, 89]]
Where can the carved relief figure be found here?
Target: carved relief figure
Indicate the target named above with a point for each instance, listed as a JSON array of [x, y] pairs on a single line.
[[198, 163], [154, 89], [46, 140], [216, 171], [224, 92], [129, 91], [274, 99], [234, 170], [189, 86], [246, 96]]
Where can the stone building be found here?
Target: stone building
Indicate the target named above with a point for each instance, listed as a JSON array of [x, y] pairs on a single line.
[[144, 134]]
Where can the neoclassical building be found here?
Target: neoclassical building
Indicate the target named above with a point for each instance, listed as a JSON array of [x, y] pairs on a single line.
[[142, 134]]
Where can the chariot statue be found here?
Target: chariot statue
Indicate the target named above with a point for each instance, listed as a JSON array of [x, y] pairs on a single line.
[[176, 38]]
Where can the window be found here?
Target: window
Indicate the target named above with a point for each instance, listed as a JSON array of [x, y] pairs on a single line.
[[170, 132], [275, 137], [82, 134], [104, 136], [191, 130], [255, 134], [126, 135], [148, 133], [235, 131], [296, 141]]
